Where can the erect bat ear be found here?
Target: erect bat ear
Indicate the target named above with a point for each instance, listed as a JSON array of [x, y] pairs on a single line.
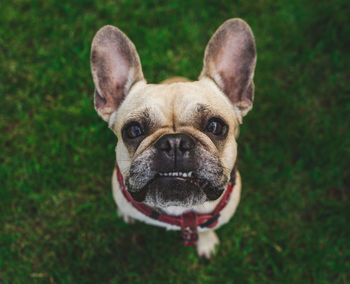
[[115, 67], [229, 61]]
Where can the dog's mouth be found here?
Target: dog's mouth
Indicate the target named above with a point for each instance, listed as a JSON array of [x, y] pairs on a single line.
[[188, 177], [176, 189]]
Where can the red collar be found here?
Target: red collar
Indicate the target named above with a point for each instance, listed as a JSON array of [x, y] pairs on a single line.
[[189, 221]]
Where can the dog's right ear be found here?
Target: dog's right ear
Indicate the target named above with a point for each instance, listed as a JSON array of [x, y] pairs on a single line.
[[115, 67]]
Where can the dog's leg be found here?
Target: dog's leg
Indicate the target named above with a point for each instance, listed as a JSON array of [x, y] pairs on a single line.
[[126, 218], [207, 241]]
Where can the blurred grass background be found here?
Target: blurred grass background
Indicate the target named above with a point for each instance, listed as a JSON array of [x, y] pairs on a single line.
[[58, 220]]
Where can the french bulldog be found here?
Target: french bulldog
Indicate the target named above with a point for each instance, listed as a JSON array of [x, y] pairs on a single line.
[[176, 150]]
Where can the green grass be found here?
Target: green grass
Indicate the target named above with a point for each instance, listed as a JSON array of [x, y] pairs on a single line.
[[58, 220]]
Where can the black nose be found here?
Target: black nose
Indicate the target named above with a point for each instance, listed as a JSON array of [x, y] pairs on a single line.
[[175, 145]]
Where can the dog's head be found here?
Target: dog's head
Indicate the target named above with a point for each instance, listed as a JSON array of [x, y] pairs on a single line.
[[176, 142]]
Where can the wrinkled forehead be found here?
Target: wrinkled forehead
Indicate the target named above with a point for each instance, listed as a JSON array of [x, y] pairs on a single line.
[[177, 103]]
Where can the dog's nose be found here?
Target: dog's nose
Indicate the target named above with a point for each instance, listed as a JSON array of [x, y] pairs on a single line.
[[175, 145]]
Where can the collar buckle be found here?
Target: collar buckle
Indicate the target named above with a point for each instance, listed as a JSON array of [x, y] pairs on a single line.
[[189, 224]]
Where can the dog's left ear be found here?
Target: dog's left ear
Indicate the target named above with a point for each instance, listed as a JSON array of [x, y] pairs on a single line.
[[115, 67], [229, 61]]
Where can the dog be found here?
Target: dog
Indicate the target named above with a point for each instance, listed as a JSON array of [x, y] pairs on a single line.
[[176, 151]]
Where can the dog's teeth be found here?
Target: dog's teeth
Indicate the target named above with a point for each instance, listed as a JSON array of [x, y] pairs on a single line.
[[176, 174]]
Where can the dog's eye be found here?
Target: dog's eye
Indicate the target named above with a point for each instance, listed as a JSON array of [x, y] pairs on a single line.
[[133, 130], [216, 126]]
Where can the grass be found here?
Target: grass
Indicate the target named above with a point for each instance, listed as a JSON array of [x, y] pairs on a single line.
[[58, 220]]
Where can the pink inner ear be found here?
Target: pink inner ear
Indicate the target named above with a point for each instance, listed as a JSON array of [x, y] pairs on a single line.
[[117, 72], [119, 67], [232, 66], [230, 58], [115, 66], [230, 61], [233, 59]]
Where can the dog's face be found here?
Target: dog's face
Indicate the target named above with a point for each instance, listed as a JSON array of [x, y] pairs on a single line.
[[176, 142]]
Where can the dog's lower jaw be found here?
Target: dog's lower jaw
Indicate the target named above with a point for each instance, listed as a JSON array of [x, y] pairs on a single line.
[[163, 192], [162, 201]]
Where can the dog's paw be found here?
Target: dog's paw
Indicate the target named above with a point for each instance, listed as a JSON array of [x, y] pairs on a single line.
[[207, 242], [126, 218]]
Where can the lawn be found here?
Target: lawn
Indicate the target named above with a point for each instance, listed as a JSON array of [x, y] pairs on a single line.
[[58, 219]]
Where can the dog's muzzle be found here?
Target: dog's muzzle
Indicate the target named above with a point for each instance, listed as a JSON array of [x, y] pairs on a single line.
[[178, 178]]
